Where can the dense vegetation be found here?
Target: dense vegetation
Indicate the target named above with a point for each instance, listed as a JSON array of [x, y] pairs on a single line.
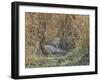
[[42, 28]]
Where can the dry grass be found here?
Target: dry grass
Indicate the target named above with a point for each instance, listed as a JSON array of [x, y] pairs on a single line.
[[42, 28]]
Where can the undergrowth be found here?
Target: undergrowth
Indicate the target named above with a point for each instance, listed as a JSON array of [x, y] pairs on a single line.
[[41, 28]]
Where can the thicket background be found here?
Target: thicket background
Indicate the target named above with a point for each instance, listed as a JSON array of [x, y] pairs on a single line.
[[41, 28]]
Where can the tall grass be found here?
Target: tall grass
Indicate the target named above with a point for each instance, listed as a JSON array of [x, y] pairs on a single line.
[[42, 28]]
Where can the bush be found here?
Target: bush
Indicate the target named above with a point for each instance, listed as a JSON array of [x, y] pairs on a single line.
[[42, 28]]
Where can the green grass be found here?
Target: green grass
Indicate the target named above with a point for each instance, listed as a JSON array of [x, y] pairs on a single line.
[[77, 56]]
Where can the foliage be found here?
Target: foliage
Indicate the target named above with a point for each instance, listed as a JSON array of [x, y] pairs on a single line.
[[42, 28]]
